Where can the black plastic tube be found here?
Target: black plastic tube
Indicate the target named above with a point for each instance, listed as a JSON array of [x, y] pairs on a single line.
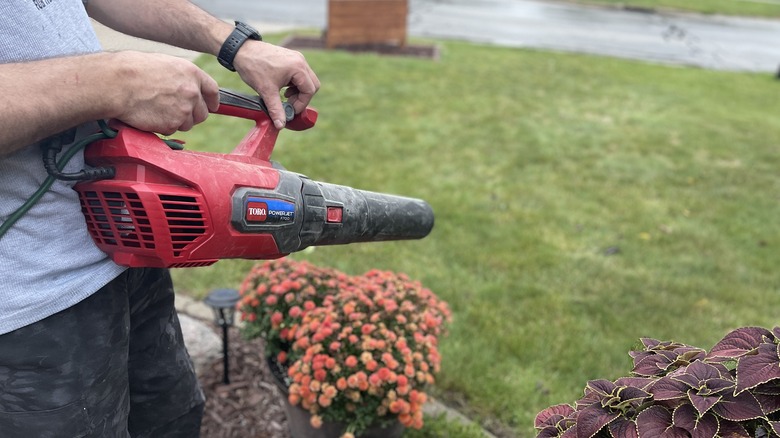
[[365, 216]]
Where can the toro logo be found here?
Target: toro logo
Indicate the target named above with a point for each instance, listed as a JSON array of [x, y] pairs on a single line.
[[269, 211], [256, 211]]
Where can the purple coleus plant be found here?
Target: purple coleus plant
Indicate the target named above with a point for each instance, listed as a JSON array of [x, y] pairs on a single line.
[[756, 351], [679, 391], [703, 401], [660, 358], [556, 421]]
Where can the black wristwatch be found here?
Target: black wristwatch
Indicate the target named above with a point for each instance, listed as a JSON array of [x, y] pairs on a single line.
[[237, 38]]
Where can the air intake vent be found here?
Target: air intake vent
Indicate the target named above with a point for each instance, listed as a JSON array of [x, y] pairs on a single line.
[[118, 219], [185, 220]]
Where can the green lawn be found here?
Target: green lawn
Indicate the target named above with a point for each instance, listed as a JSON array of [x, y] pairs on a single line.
[[581, 203], [760, 8]]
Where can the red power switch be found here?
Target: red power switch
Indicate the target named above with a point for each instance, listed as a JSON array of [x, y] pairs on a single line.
[[335, 214]]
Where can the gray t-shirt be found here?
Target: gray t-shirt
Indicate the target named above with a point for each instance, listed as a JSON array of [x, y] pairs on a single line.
[[48, 261]]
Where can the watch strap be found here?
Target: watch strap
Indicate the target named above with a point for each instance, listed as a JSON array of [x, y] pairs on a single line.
[[237, 38]]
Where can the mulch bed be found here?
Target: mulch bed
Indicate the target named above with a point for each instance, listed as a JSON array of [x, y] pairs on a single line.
[[318, 43], [250, 406]]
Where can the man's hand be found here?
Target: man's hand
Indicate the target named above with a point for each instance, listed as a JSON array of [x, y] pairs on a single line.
[[268, 68], [162, 93], [151, 92]]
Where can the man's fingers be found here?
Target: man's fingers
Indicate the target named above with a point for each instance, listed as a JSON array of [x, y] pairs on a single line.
[[268, 69], [306, 86], [211, 100], [189, 122], [201, 111], [315, 80], [209, 89], [274, 104]]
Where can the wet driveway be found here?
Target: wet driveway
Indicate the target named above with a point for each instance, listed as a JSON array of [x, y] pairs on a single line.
[[716, 42]]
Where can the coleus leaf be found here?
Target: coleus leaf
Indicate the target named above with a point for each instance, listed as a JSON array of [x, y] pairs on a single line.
[[592, 419], [630, 393], [739, 342], [590, 398], [686, 417], [718, 386], [656, 422], [549, 432], [668, 388], [622, 428], [755, 369], [769, 388], [703, 403], [650, 343], [651, 365], [656, 345], [738, 408], [643, 383], [698, 372], [689, 354], [661, 362], [730, 429], [552, 415], [769, 403], [601, 386], [723, 370]]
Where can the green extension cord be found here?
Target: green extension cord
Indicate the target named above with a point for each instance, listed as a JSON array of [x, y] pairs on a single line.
[[105, 132]]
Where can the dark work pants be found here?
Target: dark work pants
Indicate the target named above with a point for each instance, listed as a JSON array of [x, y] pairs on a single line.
[[112, 366]]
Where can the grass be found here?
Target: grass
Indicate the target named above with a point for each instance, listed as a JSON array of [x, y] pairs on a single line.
[[581, 203], [759, 8], [439, 426]]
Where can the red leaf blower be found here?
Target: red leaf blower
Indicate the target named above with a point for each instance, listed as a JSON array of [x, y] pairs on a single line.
[[176, 208]]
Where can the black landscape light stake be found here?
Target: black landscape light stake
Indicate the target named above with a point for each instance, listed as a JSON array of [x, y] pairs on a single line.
[[223, 303]]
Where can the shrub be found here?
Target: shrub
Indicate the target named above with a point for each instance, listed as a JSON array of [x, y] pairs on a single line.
[[356, 349], [680, 391]]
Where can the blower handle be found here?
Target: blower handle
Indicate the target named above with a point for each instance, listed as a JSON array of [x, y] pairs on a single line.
[[260, 140]]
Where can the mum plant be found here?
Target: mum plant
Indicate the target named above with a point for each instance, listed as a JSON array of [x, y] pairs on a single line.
[[680, 391], [358, 350]]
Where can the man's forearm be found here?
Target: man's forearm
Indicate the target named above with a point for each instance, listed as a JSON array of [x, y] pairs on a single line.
[[151, 92], [176, 22], [43, 98]]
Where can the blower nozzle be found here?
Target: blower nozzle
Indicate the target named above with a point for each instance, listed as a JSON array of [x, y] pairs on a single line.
[[301, 212]]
